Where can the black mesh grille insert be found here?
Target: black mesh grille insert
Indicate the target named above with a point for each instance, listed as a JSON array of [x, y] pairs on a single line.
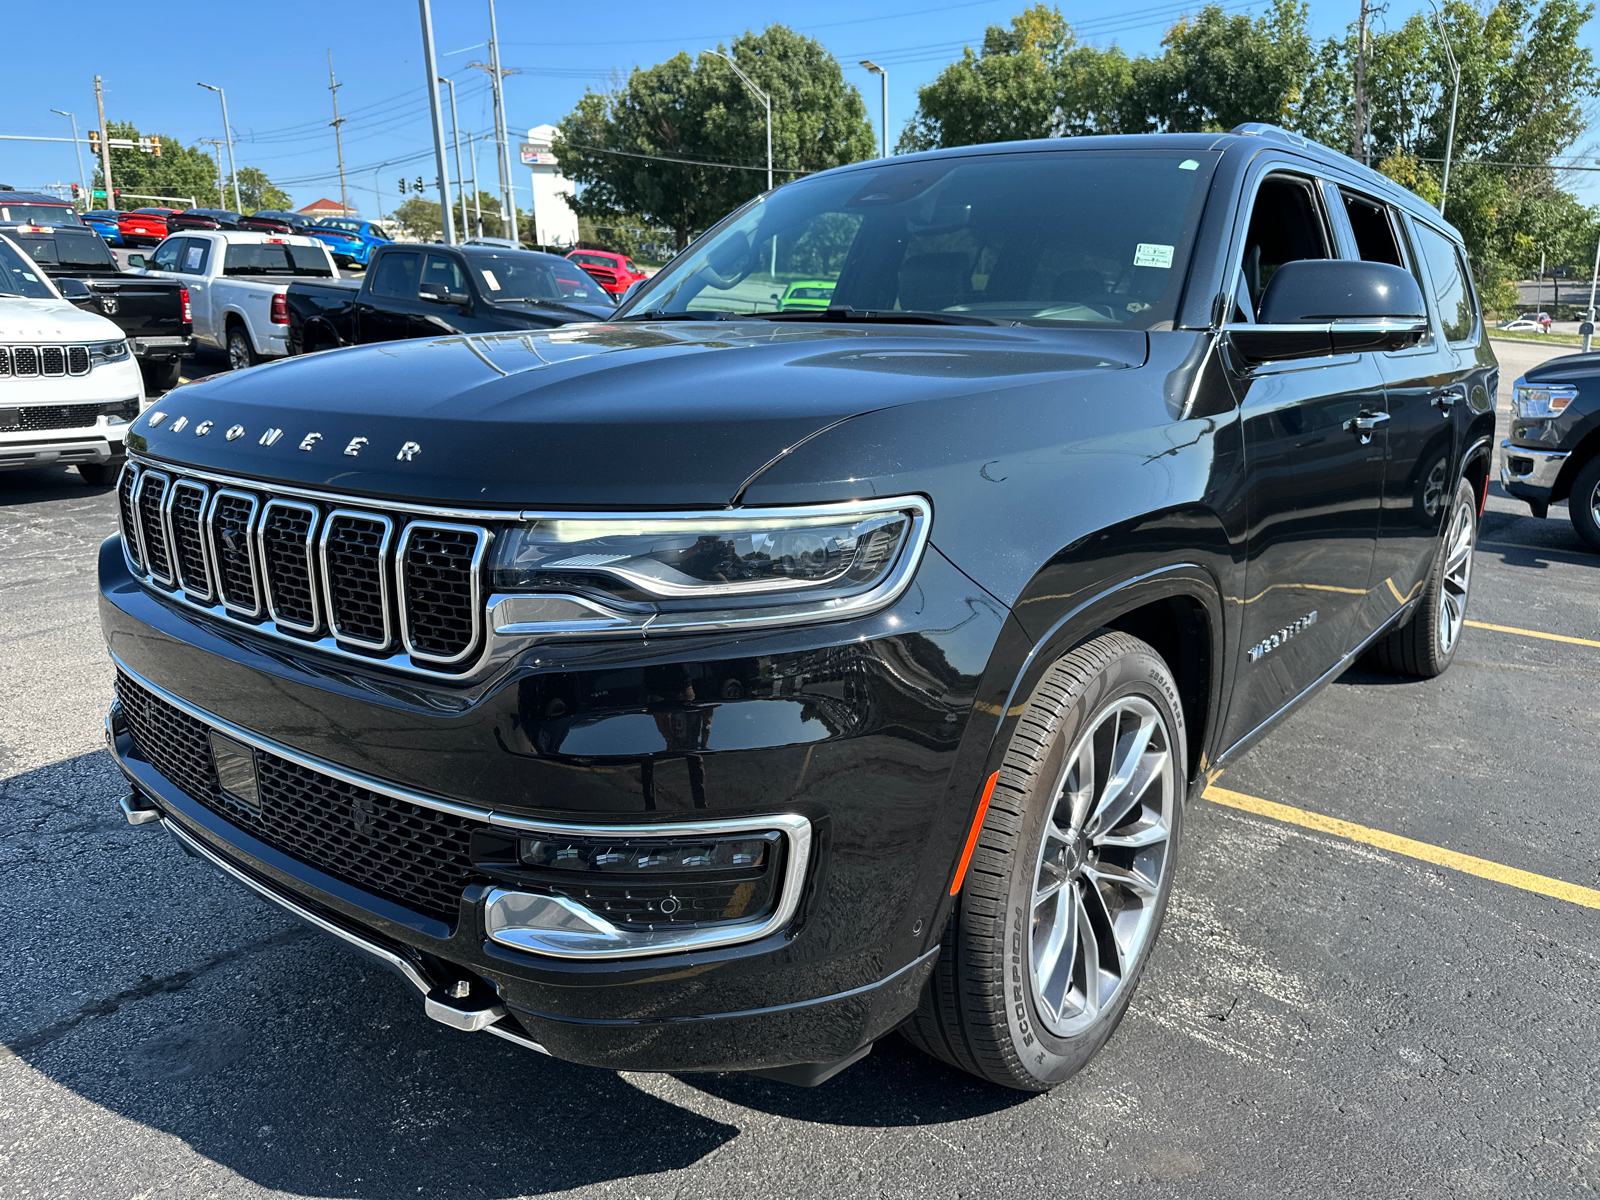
[[152, 490], [285, 551], [354, 551], [230, 550], [52, 360], [188, 546], [130, 532], [57, 416], [77, 360], [25, 360], [440, 609], [5, 360], [414, 856]]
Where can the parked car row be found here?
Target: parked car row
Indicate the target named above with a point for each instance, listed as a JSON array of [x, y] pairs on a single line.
[[351, 241]]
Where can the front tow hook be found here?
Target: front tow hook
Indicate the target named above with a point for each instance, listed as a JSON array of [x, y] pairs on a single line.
[[137, 812]]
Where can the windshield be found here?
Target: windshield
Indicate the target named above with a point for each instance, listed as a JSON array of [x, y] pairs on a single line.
[[1075, 238], [276, 258], [84, 250], [17, 276], [39, 214], [505, 277]]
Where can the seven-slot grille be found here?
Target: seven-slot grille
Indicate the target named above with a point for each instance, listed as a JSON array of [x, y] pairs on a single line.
[[415, 856], [50, 362], [308, 570]]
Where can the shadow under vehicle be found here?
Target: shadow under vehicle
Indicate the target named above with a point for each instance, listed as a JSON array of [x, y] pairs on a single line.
[[720, 687]]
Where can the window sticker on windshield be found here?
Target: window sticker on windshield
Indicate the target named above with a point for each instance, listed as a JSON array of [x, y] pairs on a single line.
[[488, 277], [1148, 254], [1189, 164], [192, 257]]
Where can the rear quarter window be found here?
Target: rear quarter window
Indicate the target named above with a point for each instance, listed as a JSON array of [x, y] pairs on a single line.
[[1452, 292]]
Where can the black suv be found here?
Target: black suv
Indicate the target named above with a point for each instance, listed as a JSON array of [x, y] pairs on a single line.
[[724, 687], [1553, 453]]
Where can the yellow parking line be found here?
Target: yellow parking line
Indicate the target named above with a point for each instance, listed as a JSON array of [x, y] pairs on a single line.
[[1481, 867], [1534, 633]]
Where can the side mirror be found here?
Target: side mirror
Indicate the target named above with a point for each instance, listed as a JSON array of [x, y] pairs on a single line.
[[136, 261], [1316, 307], [440, 294], [73, 289]]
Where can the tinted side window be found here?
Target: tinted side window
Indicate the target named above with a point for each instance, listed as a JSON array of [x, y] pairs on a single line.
[[1450, 286], [166, 255], [443, 269], [397, 276], [1285, 226], [195, 255], [1374, 230]]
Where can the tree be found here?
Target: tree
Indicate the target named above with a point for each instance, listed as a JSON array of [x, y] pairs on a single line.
[[628, 149], [256, 191], [181, 172], [420, 218]]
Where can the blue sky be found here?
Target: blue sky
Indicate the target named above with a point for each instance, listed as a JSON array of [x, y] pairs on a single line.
[[273, 63]]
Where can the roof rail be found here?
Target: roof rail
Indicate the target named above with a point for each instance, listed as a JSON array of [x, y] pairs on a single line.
[[1262, 129]]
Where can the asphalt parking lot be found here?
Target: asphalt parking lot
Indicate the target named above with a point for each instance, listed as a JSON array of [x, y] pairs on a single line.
[[1324, 1017]]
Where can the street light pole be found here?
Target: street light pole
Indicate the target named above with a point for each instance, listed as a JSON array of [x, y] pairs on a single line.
[[86, 185], [1455, 96], [446, 207], [227, 133], [455, 132], [216, 148], [477, 197], [377, 191], [884, 78], [760, 95], [508, 201]]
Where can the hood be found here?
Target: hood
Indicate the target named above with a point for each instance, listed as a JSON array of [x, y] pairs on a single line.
[[619, 416], [1566, 366], [51, 321]]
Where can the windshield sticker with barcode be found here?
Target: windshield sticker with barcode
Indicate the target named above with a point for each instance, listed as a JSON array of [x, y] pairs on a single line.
[[488, 277], [1148, 254]]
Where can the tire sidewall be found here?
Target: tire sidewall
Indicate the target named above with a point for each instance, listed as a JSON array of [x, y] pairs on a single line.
[[1581, 502], [1464, 496], [1046, 1057]]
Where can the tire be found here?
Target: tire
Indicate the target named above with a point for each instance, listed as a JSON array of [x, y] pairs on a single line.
[[1009, 1000], [1424, 646], [1583, 505], [241, 354], [161, 376], [101, 474]]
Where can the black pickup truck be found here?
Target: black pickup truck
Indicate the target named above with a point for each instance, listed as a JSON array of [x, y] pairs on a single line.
[[412, 291], [720, 687], [1553, 453], [154, 313]]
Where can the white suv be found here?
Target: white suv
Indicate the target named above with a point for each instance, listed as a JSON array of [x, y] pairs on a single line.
[[69, 386]]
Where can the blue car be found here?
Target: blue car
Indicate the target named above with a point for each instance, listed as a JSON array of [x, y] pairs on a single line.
[[350, 241], [104, 222]]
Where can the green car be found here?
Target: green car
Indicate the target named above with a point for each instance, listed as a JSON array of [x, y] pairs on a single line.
[[807, 295]]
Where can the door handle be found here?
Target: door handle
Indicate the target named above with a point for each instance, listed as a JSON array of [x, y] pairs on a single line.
[[1365, 424], [1446, 400]]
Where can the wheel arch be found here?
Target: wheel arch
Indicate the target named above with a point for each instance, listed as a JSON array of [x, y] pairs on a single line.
[[1587, 448], [233, 317], [1476, 467]]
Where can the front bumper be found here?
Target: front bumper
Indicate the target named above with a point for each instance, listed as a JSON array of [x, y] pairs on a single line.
[[1530, 474], [877, 796]]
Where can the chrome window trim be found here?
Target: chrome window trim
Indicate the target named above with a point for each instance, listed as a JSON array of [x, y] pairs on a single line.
[[384, 597], [144, 479], [132, 548], [795, 827], [172, 540], [229, 608], [309, 549], [475, 576]]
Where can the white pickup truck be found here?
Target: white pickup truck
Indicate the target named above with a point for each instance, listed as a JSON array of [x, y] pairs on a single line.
[[236, 283]]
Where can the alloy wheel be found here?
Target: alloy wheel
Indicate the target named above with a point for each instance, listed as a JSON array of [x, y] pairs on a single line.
[[1101, 864], [1457, 578], [238, 353]]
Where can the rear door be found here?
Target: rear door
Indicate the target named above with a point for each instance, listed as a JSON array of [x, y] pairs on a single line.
[[1312, 476]]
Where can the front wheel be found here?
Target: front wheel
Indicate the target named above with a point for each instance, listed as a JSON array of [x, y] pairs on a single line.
[[1068, 886], [162, 376], [101, 474], [1425, 645], [241, 353], [1583, 505]]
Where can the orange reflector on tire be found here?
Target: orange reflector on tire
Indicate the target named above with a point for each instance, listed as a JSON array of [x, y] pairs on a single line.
[[972, 837]]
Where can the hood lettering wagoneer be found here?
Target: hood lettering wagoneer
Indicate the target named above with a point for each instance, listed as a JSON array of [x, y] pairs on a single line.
[[733, 681]]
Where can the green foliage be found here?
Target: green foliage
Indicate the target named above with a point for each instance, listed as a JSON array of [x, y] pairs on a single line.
[[420, 218], [182, 171], [628, 234], [613, 144], [256, 191]]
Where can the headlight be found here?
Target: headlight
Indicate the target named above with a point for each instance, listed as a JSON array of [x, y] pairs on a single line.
[[671, 572], [1532, 401], [108, 352]]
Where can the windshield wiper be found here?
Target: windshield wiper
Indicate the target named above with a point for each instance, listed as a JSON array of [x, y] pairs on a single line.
[[658, 314], [844, 314]]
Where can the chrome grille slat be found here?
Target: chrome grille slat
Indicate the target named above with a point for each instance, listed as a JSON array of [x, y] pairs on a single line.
[[439, 569], [77, 360], [149, 495], [25, 361], [52, 361], [285, 537], [126, 483], [48, 362], [5, 362], [185, 513], [230, 526], [355, 577]]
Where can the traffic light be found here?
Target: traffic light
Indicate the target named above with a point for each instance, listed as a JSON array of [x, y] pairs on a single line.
[[402, 185], [419, 185], [94, 140], [77, 192]]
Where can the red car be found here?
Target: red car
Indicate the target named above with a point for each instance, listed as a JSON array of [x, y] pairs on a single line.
[[144, 226], [614, 272]]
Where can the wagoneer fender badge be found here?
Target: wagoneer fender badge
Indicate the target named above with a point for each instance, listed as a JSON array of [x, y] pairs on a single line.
[[1268, 644]]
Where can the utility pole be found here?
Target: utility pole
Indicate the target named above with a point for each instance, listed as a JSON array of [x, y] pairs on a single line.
[[455, 132], [1455, 96], [477, 199], [508, 208], [447, 209], [86, 184], [338, 135], [216, 146], [884, 78], [1360, 141], [105, 146]]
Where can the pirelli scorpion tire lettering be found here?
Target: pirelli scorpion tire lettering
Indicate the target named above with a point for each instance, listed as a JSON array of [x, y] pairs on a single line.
[[1068, 885]]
